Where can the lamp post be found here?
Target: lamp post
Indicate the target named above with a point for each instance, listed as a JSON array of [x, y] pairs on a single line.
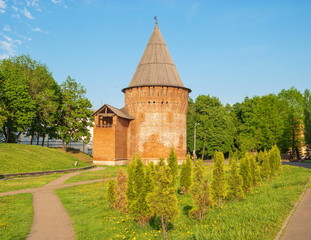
[[195, 140]]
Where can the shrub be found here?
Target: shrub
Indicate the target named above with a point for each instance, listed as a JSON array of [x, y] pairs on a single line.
[[245, 172], [111, 198], [186, 175], [173, 165], [200, 192], [218, 186], [235, 182], [162, 201], [120, 191]]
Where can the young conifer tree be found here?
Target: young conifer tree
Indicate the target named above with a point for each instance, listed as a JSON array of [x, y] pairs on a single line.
[[265, 167], [186, 175], [255, 171], [235, 191], [200, 192], [245, 172], [140, 187], [275, 160], [260, 157], [173, 165], [130, 194], [120, 191], [111, 198], [162, 201], [218, 186]]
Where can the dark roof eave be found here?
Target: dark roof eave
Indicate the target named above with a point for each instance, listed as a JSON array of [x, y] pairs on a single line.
[[124, 89]]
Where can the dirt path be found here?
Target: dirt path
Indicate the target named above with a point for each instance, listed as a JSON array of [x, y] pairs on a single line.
[[51, 220]]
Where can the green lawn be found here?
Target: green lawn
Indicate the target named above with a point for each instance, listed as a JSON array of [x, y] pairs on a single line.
[[16, 216], [109, 171], [19, 158], [259, 216], [25, 183]]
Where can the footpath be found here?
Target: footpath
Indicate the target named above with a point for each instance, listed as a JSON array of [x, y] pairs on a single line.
[[51, 220], [298, 224]]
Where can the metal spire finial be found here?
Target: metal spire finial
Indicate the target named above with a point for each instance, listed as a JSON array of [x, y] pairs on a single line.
[[156, 20]]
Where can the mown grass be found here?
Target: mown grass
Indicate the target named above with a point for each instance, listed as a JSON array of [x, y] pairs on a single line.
[[109, 171], [19, 158], [259, 216], [16, 216], [7, 185]]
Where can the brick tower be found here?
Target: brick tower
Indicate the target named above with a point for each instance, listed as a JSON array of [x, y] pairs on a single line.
[[154, 117]]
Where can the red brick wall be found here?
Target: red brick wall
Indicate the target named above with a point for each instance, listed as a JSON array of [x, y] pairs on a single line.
[[160, 121]]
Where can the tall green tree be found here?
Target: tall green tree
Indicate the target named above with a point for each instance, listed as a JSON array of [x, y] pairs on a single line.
[[162, 201], [218, 186], [261, 122], [16, 105], [216, 131], [307, 116], [76, 115], [293, 115], [45, 93]]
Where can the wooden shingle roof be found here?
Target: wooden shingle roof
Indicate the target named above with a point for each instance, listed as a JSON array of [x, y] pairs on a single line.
[[156, 67], [119, 112]]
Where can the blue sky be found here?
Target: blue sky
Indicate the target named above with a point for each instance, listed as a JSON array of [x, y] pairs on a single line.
[[229, 49]]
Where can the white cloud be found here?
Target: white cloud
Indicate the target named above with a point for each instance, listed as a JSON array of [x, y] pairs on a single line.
[[7, 28], [37, 29], [32, 3], [15, 8], [27, 14], [9, 45], [2, 11], [2, 4]]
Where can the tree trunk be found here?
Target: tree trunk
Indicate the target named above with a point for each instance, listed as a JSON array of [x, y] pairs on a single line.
[[163, 228], [31, 139], [64, 145], [38, 138], [43, 138], [17, 137], [5, 133]]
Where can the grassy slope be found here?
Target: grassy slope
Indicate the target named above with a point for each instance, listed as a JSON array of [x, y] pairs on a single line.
[[16, 216], [259, 216], [25, 183], [18, 158]]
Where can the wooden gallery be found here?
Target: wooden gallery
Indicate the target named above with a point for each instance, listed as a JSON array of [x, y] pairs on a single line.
[[154, 117]]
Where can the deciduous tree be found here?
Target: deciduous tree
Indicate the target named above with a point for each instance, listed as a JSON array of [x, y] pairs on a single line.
[[76, 115]]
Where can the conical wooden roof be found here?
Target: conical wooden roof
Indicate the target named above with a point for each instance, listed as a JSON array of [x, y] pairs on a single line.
[[156, 67]]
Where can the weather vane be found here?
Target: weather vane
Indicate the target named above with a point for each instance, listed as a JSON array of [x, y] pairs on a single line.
[[156, 20]]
